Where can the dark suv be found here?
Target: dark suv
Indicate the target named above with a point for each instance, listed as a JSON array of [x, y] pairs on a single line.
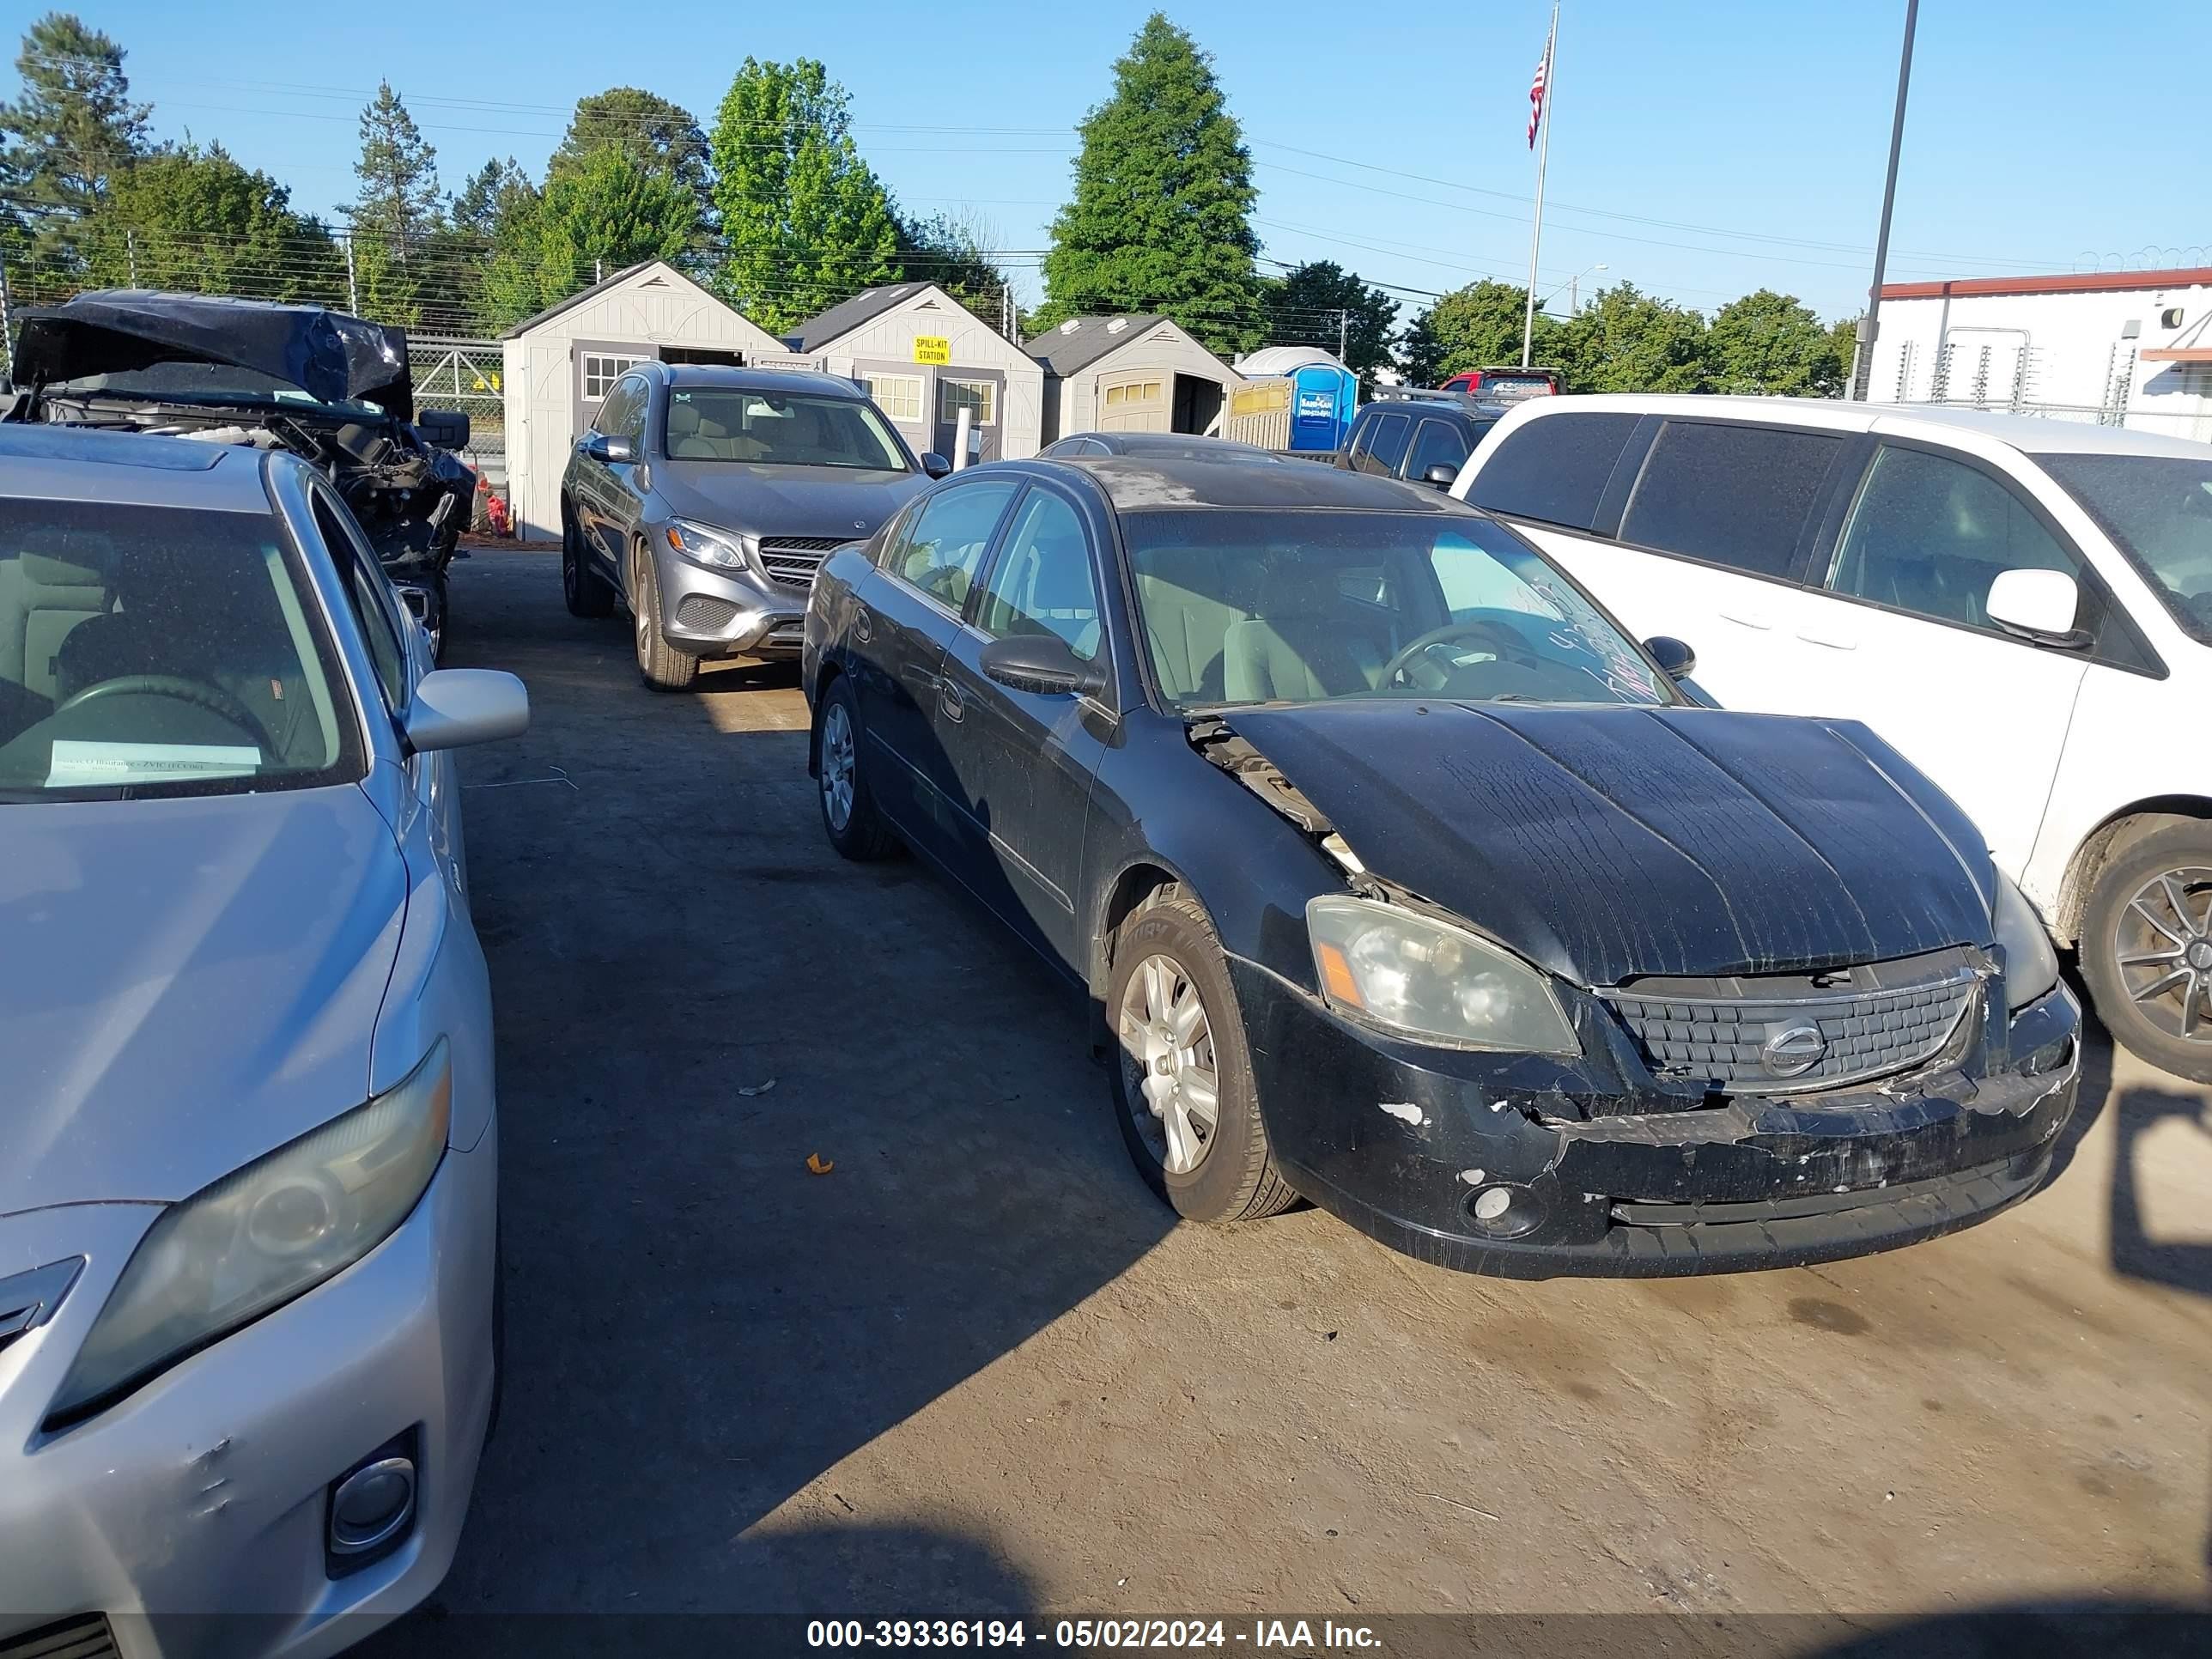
[[1425, 437], [705, 498]]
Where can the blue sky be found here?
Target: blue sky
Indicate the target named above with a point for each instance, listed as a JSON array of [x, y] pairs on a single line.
[[1701, 150]]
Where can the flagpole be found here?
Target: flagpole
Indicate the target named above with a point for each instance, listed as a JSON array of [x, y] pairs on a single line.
[[1543, 155]]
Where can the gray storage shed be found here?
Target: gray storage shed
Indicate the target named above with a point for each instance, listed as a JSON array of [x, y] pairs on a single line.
[[1139, 374], [923, 356]]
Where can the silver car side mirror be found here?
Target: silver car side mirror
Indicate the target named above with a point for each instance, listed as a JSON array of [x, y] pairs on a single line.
[[453, 708]]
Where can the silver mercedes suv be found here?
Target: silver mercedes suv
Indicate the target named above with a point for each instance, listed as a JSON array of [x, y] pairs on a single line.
[[704, 498]]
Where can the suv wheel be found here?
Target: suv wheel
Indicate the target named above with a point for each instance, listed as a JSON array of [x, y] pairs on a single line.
[[2147, 948], [663, 666], [580, 586]]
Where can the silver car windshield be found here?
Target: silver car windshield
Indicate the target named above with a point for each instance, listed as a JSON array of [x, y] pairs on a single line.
[[146, 651], [1250, 606], [773, 428], [2159, 509]]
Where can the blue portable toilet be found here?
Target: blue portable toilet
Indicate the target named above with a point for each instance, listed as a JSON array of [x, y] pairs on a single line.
[[1324, 393]]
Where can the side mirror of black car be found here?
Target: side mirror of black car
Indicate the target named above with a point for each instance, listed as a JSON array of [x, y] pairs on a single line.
[[613, 451], [1441, 476], [1672, 655], [444, 428], [935, 464], [1042, 664]]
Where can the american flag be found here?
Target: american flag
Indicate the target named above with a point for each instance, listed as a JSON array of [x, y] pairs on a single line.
[[1536, 94]]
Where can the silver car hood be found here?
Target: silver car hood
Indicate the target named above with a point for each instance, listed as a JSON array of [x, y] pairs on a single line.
[[184, 984], [785, 500]]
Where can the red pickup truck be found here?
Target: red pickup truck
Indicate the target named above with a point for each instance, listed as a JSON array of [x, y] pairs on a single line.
[[1505, 386]]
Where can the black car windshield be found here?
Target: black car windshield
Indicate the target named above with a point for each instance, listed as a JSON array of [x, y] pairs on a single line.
[[775, 428], [2159, 509], [1296, 606], [146, 651]]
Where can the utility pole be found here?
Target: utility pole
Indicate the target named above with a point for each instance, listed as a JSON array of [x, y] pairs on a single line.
[[1543, 115], [131, 253], [1343, 333], [352, 287], [7, 321], [1869, 324]]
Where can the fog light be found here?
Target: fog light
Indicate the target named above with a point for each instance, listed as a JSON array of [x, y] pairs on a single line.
[[1503, 1210], [1491, 1205], [372, 1508]]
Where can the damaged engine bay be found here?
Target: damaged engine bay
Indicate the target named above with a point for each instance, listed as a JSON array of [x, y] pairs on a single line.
[[332, 389]]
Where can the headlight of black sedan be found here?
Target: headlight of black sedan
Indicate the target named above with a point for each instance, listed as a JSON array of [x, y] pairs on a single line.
[[2031, 965], [1429, 979]]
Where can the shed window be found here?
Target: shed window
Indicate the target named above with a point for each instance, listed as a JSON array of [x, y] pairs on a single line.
[[898, 396], [978, 397], [601, 370]]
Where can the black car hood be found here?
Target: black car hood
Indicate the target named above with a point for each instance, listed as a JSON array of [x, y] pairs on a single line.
[[784, 501], [1608, 843], [326, 354]]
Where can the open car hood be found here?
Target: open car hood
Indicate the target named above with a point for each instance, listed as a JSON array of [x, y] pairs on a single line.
[[1608, 843], [326, 354]]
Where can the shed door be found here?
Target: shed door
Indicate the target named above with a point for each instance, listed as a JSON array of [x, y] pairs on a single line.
[[981, 392], [1135, 402]]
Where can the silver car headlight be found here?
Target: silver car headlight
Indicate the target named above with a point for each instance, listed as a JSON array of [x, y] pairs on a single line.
[[718, 550], [1428, 979], [2031, 964], [262, 1236]]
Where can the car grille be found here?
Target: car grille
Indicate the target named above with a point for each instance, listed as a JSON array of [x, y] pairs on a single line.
[[1729, 1032], [792, 561], [88, 1637]]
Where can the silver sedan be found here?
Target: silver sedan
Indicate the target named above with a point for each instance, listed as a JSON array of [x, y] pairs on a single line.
[[248, 1194]]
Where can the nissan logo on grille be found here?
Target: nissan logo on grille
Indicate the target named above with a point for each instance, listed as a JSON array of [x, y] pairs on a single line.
[[1793, 1050]]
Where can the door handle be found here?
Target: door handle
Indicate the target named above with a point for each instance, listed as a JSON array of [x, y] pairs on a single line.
[[1836, 639], [948, 699], [1747, 618]]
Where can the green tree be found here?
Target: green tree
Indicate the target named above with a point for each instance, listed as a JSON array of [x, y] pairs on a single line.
[[398, 171], [1843, 347], [1161, 216], [1474, 327], [805, 221], [1767, 343], [1624, 340], [491, 201], [954, 251], [1321, 304], [189, 218], [65, 139], [608, 212], [488, 251], [652, 132]]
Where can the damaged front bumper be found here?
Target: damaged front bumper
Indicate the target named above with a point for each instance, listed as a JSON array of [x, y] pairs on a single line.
[[1516, 1164]]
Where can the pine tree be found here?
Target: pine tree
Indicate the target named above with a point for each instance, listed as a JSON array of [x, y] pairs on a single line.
[[652, 131], [194, 219], [806, 222], [398, 170], [1161, 219], [64, 140]]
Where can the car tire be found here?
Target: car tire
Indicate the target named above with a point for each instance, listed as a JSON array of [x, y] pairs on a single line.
[[586, 595], [2149, 918], [1166, 953], [659, 663], [849, 817]]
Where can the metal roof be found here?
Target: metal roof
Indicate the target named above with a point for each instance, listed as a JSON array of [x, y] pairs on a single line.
[[2094, 281], [1082, 341]]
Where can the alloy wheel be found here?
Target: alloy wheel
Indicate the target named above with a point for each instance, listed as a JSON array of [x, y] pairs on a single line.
[[640, 609], [2163, 945], [1168, 1062], [837, 767]]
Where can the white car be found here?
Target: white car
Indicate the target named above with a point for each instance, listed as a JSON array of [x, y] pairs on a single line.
[[2023, 606]]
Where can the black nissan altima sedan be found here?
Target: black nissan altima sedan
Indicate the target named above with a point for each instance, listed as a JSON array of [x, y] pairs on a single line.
[[1404, 882]]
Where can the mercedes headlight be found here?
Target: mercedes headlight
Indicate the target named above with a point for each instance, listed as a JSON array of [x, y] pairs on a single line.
[[262, 1236], [1429, 979], [718, 550], [2031, 965]]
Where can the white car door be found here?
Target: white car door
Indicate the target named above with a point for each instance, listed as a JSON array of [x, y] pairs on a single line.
[[1896, 635]]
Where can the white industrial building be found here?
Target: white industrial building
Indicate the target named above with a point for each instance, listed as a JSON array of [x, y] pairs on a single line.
[[556, 366], [2123, 348], [924, 357]]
